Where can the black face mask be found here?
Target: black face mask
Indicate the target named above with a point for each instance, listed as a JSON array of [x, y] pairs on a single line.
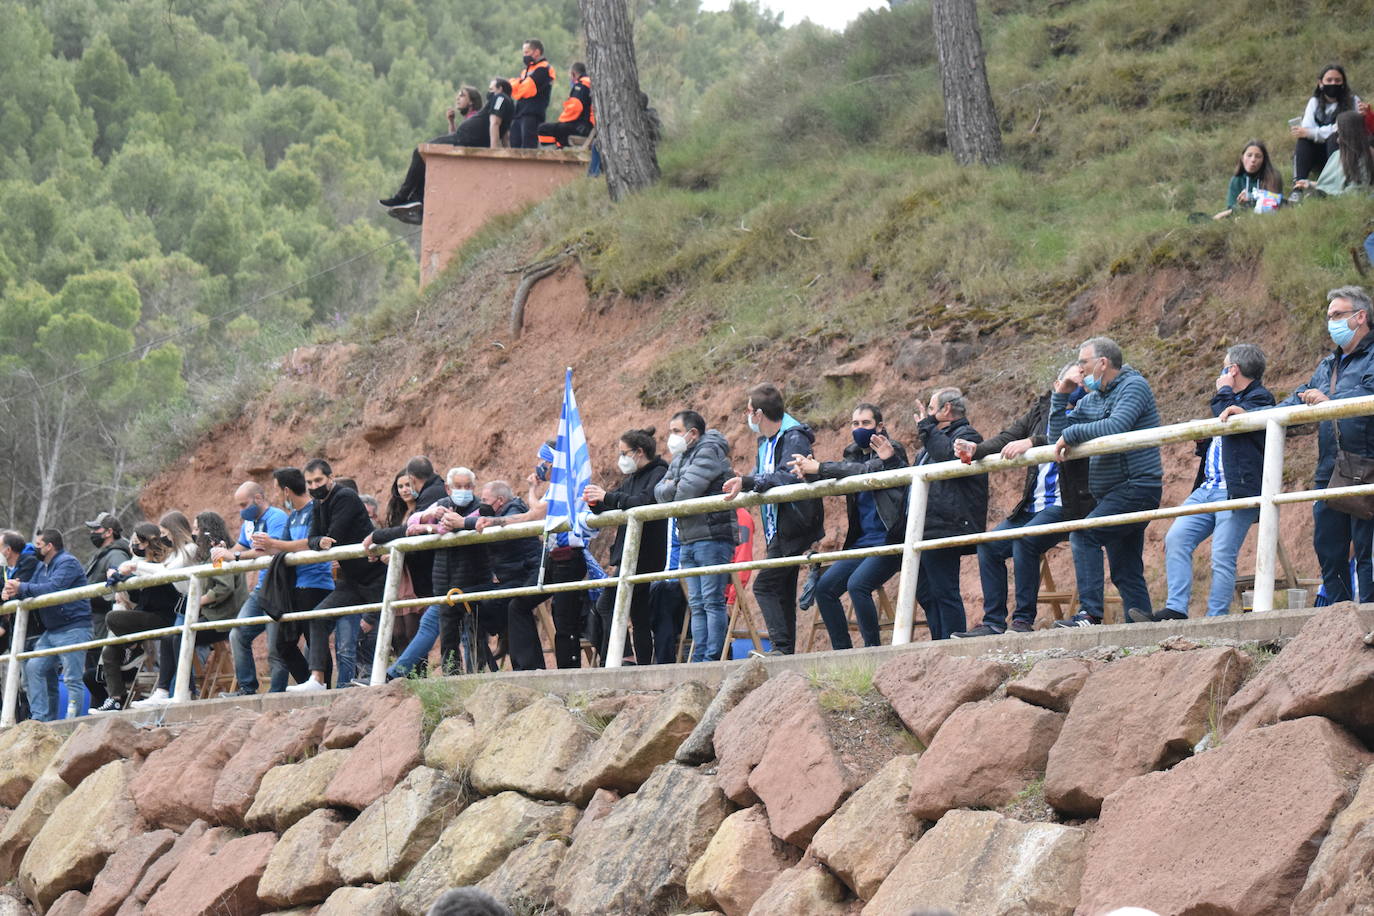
[[97, 539], [486, 510], [319, 492], [527, 59], [139, 551], [1334, 91]]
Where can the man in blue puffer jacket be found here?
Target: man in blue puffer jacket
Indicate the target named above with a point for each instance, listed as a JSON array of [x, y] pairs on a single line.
[[63, 625]]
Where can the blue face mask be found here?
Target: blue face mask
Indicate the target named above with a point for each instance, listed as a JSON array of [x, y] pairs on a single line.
[[1092, 383], [1340, 331], [541, 471], [250, 513], [862, 436]]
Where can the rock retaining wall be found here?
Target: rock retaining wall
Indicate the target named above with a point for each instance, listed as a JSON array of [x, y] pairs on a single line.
[[1187, 778]]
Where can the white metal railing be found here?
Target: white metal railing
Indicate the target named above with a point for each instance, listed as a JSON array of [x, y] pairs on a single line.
[[1273, 422]]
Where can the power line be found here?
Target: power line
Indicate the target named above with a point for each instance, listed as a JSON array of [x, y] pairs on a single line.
[[205, 323]]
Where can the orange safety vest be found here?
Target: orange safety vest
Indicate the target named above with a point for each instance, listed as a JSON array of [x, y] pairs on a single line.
[[574, 106], [522, 87]]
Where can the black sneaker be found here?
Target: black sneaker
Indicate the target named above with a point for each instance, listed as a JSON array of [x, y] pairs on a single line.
[[1136, 615], [235, 694], [980, 630], [390, 202], [1020, 626], [1168, 614], [110, 705], [1082, 619]]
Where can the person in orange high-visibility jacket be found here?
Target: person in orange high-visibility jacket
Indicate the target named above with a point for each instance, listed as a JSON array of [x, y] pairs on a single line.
[[577, 117], [531, 91]]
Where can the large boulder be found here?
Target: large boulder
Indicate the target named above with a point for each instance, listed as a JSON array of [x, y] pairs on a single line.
[[300, 869], [742, 735], [805, 889], [276, 738], [72, 903], [495, 701], [982, 862], [1137, 715], [358, 711], [211, 883], [477, 841], [1271, 792], [381, 759], [1053, 683], [26, 750], [382, 900], [290, 791], [1341, 880], [176, 785], [525, 881], [200, 836], [926, 687], [123, 870], [635, 859], [25, 821], [108, 738], [863, 840], [740, 862], [1327, 670], [699, 746], [983, 757], [638, 739], [533, 751], [453, 746], [389, 837], [82, 832]]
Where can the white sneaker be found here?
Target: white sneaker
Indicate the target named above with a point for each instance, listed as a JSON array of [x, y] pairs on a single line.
[[158, 697], [309, 686]]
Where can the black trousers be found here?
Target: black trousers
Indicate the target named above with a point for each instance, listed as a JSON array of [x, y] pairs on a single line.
[[413, 186], [169, 653], [121, 623], [641, 629], [345, 594], [526, 651], [776, 592], [561, 131], [451, 628], [524, 130], [1309, 157]]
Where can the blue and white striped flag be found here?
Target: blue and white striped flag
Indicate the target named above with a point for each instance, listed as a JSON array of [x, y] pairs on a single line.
[[570, 475]]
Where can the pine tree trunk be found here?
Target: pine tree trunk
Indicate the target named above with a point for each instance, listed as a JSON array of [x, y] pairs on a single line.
[[624, 130], [970, 118]]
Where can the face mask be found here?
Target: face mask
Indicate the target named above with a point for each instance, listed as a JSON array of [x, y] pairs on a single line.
[[541, 472], [319, 492], [1092, 383], [753, 427], [527, 59], [1334, 92], [138, 551], [1340, 331], [251, 513], [97, 540], [485, 510], [677, 443], [862, 436], [626, 464], [460, 497]]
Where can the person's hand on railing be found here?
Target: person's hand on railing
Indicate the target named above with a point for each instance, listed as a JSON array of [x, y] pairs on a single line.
[[1061, 449], [262, 541], [326, 542], [452, 521], [1013, 449], [367, 545], [11, 589], [1312, 396], [128, 567], [592, 495], [491, 521], [1230, 412], [803, 465], [732, 487]]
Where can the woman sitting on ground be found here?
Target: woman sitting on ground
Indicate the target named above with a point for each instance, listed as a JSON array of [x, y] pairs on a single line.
[[1353, 166], [1316, 133], [1254, 172]]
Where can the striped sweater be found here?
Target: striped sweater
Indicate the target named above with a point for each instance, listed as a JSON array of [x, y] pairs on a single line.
[[1124, 405]]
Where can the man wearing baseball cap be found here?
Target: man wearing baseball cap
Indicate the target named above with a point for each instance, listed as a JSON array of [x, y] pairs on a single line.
[[110, 550]]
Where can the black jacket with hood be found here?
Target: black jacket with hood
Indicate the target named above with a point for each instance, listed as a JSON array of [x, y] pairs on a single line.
[[637, 489]]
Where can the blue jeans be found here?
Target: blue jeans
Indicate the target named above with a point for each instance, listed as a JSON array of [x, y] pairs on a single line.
[[1125, 548], [860, 578], [241, 645], [1334, 534], [1227, 531], [1025, 554], [937, 589], [39, 673], [418, 648], [1369, 247], [706, 597]]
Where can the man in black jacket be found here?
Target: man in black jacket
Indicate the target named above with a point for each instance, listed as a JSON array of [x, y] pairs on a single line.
[[1054, 492], [788, 528], [110, 550], [1229, 467], [954, 507], [340, 518]]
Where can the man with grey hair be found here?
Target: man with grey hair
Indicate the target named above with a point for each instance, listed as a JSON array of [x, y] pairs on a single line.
[[1346, 372], [1230, 468], [1119, 400], [955, 506], [1053, 493]]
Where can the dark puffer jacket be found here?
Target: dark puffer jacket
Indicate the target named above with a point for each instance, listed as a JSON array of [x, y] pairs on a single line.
[[1074, 494], [891, 502], [701, 470], [958, 505]]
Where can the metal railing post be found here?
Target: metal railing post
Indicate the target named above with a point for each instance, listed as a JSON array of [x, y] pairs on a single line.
[[624, 592], [911, 560], [14, 669], [395, 565], [185, 659], [1267, 538]]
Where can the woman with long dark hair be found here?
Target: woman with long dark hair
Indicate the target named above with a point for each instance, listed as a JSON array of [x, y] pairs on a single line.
[[1317, 130], [1353, 165], [1254, 172], [153, 607], [402, 502]]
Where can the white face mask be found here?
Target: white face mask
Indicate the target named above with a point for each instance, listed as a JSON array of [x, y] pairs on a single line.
[[677, 443], [460, 496], [627, 464]]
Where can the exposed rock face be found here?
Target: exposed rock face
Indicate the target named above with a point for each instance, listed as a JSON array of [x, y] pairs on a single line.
[[635, 859], [863, 840], [299, 869], [492, 703], [276, 738], [1272, 792], [359, 711], [806, 889], [289, 792], [390, 836], [601, 804], [1326, 670], [1341, 880], [197, 835], [1054, 682], [381, 759], [699, 746], [177, 784], [533, 751], [1137, 715], [69, 904], [124, 869], [640, 738], [982, 862], [74, 842], [359, 901], [477, 841], [925, 688], [985, 754], [453, 746], [741, 861], [525, 881], [210, 883], [25, 752], [742, 735], [26, 820], [93, 745]]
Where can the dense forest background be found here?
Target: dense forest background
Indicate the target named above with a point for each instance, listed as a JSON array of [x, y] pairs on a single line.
[[188, 189]]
